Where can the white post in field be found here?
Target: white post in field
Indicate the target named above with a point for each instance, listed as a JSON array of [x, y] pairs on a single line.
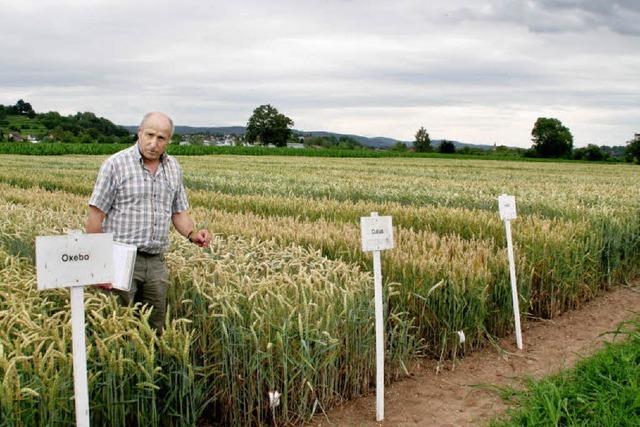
[[75, 260], [379, 309], [80, 386], [377, 235], [507, 206]]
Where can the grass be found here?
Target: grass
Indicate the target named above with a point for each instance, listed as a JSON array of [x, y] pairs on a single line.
[[602, 390]]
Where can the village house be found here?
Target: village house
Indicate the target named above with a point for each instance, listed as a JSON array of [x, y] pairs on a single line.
[[14, 137]]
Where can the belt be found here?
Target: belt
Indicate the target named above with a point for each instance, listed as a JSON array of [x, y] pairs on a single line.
[[144, 254]]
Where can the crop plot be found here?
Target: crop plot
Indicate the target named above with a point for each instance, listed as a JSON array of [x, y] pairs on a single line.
[[283, 300]]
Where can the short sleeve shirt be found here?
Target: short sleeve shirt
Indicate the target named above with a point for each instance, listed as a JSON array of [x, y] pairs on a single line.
[[138, 205]]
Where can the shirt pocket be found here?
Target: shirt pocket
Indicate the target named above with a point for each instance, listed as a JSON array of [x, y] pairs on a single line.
[[136, 193]]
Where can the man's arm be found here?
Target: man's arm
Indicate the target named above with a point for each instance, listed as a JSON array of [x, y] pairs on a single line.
[[184, 225], [94, 220], [94, 225]]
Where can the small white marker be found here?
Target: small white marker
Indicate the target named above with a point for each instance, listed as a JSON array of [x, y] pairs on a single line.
[[274, 399]]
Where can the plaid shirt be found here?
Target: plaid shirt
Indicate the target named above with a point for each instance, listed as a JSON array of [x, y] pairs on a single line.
[[137, 204]]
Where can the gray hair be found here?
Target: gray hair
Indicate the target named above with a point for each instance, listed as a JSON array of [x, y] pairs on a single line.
[[152, 113]]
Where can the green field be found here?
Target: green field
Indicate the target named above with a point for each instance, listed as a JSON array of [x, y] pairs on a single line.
[[283, 300], [58, 149]]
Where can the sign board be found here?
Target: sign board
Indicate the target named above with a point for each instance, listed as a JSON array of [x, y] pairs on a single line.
[[74, 260], [377, 233], [507, 205]]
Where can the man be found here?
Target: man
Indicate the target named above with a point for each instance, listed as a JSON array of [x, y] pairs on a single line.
[[139, 190]]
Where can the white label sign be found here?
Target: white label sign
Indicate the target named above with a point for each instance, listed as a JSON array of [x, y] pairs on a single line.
[[377, 233], [74, 260], [507, 206]]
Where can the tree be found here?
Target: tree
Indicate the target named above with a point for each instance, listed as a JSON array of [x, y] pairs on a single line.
[[196, 139], [22, 108], [447, 147], [51, 119], [102, 139], [295, 139], [617, 152], [399, 146], [551, 138], [591, 152], [423, 142], [267, 126], [633, 149]]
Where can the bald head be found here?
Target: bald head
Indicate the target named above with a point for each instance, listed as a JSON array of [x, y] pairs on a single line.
[[157, 119], [154, 134]]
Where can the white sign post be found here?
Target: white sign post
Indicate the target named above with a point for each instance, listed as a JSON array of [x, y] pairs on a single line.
[[507, 206], [377, 235], [75, 260]]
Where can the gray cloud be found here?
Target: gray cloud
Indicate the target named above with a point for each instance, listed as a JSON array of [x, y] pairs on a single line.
[[480, 73], [555, 16]]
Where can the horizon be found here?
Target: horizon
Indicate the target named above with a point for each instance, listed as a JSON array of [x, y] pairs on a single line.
[[320, 131]]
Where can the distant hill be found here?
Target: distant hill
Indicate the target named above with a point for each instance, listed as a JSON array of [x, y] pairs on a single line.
[[384, 142], [375, 142]]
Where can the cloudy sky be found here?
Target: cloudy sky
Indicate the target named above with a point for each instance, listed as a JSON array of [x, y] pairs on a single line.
[[472, 71]]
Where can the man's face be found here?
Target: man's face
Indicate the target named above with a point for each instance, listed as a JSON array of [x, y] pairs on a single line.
[[153, 136]]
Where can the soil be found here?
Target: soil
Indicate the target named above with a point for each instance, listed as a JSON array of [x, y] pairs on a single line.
[[464, 393]]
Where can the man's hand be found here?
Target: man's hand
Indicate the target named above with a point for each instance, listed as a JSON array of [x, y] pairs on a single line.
[[107, 286], [201, 238], [184, 225]]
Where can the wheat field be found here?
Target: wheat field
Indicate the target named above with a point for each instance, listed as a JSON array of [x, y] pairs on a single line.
[[283, 299]]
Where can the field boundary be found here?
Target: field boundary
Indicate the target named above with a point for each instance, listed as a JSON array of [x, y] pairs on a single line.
[[58, 149]]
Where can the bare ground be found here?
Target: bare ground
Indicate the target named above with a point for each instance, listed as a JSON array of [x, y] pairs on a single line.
[[464, 394]]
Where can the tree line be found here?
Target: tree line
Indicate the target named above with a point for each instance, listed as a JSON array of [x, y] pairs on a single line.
[[550, 139], [53, 127], [267, 126]]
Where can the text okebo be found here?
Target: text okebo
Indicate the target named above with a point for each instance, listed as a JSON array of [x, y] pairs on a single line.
[[78, 257]]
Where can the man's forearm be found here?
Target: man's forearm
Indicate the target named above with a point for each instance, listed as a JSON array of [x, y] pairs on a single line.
[[183, 223], [94, 220]]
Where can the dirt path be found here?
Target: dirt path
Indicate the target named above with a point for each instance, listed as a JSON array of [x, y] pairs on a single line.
[[459, 397]]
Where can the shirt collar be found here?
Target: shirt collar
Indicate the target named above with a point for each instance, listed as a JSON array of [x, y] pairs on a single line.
[[138, 155]]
